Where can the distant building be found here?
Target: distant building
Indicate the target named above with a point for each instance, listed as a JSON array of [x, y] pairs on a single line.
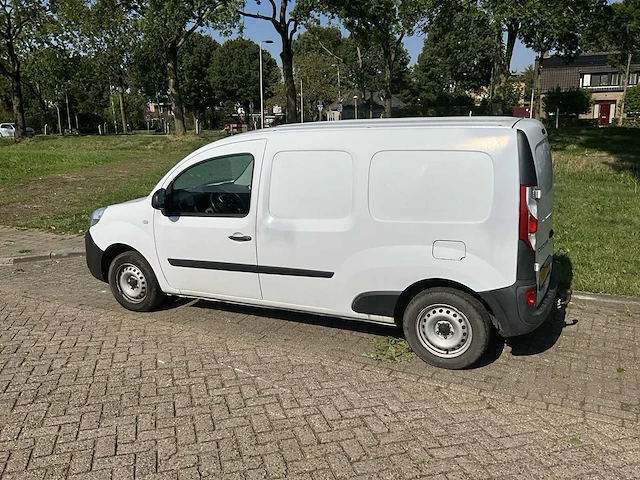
[[369, 106], [595, 72]]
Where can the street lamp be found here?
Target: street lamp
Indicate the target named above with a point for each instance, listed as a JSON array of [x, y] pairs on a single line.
[[355, 102], [261, 87], [338, 67]]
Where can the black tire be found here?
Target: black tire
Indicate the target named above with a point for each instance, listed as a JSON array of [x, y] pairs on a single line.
[[447, 328], [133, 283]]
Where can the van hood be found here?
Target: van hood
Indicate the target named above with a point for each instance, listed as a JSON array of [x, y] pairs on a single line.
[[135, 200]]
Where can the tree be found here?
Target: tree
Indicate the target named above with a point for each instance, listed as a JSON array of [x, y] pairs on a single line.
[[195, 59], [234, 72], [542, 25], [384, 24], [318, 59], [285, 21], [20, 22], [457, 54], [570, 102], [112, 37], [172, 22], [624, 36], [632, 101], [557, 26]]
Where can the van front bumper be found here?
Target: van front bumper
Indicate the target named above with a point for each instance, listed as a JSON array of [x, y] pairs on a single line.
[[513, 316], [94, 257]]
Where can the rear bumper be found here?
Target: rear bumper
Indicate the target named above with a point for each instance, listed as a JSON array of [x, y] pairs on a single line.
[[513, 316], [94, 257]]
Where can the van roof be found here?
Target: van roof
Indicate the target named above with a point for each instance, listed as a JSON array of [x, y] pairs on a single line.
[[421, 122]]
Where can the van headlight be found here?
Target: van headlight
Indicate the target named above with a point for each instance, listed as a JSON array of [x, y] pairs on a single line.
[[96, 216]]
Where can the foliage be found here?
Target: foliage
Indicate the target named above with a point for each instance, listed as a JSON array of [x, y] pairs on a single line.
[[541, 25], [390, 349], [285, 19], [457, 54], [194, 61], [382, 24], [569, 102], [632, 100], [235, 73]]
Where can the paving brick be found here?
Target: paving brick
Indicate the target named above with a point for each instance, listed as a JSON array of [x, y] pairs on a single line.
[[92, 391]]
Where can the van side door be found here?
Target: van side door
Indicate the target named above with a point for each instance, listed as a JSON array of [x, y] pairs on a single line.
[[305, 226], [205, 238]]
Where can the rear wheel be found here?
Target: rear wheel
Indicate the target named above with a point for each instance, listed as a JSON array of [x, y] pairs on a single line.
[[133, 283], [447, 328]]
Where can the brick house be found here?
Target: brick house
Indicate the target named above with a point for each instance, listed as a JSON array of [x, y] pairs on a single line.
[[595, 72]]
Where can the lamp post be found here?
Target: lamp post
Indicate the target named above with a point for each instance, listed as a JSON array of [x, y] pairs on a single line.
[[355, 103], [338, 67], [261, 87]]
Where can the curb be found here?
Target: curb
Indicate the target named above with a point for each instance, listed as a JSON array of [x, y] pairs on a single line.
[[70, 252]]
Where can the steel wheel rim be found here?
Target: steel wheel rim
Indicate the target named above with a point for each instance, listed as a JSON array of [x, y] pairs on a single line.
[[131, 282], [444, 331]]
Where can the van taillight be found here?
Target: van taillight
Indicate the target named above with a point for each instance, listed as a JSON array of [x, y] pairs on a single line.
[[530, 296], [528, 215]]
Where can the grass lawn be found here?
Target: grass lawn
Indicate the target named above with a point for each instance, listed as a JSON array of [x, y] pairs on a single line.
[[55, 183], [597, 208]]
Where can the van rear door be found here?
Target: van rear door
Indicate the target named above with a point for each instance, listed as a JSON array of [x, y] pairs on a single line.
[[544, 204], [536, 201]]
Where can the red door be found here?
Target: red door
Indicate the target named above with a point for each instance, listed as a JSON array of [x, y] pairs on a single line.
[[605, 112]]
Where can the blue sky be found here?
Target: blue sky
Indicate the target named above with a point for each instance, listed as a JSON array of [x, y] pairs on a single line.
[[258, 30]]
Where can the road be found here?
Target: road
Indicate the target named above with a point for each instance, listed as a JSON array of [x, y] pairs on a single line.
[[203, 390]]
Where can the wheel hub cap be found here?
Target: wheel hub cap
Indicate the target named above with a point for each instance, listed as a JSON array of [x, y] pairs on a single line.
[[444, 330], [132, 283]]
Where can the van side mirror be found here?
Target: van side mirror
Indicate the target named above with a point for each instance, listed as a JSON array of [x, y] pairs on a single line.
[[158, 200]]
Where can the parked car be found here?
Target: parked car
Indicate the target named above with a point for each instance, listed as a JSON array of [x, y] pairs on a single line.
[[443, 226], [9, 129]]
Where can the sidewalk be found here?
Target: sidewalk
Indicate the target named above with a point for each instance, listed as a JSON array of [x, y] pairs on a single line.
[[21, 245]]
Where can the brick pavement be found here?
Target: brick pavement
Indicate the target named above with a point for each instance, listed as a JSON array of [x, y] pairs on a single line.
[[20, 244], [89, 390]]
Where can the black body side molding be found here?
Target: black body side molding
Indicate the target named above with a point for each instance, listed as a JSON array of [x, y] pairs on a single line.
[[241, 267], [376, 303]]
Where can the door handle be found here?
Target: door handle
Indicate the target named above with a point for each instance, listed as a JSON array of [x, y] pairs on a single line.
[[238, 237]]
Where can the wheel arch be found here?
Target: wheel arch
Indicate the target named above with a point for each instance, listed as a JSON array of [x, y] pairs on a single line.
[[112, 252], [412, 290]]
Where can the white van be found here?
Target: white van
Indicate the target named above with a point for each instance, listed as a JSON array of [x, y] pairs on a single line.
[[442, 225]]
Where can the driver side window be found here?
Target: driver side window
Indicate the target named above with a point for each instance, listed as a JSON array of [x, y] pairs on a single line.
[[216, 187]]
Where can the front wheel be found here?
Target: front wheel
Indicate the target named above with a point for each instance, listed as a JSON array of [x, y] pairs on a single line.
[[447, 328], [133, 283]]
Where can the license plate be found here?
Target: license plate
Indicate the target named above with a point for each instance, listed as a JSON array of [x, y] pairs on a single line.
[[544, 274]]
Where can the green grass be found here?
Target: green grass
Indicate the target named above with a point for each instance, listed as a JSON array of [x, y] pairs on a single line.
[[597, 208], [54, 183]]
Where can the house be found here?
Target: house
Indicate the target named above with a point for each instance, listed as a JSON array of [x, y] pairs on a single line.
[[595, 72], [370, 105]]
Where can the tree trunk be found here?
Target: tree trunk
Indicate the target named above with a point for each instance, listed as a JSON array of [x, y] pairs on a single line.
[[123, 112], [16, 88], [59, 120], [502, 67], [538, 86], [174, 88], [625, 84], [387, 87], [291, 111], [496, 100]]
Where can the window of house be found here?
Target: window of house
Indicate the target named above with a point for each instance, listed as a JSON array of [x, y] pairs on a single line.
[[595, 80], [633, 78], [218, 187], [604, 79], [615, 79], [586, 80]]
